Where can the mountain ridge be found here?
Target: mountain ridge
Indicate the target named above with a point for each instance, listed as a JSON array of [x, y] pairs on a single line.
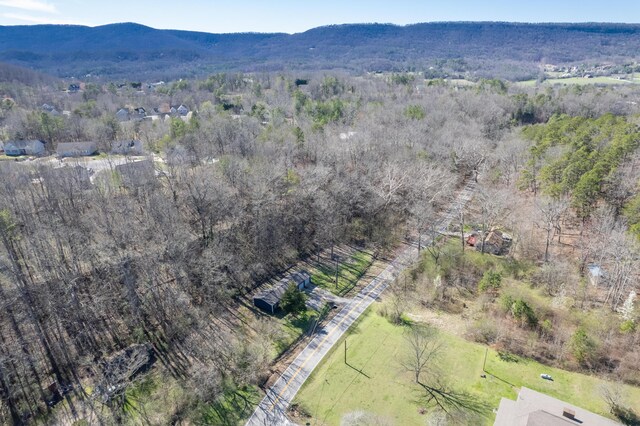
[[135, 50]]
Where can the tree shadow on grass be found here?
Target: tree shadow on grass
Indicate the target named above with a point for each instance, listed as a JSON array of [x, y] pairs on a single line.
[[509, 357], [234, 407]]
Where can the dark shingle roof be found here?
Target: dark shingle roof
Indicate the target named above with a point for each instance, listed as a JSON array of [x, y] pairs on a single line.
[[274, 294]]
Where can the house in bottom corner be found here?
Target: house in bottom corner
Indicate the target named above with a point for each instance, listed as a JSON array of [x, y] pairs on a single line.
[[76, 149], [269, 300], [533, 408], [16, 148]]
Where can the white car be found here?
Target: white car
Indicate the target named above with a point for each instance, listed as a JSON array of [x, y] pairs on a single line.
[[546, 377]]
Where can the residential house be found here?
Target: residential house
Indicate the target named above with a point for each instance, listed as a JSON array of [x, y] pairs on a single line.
[[495, 243], [533, 408], [73, 88], [122, 114], [164, 108], [76, 149], [16, 148], [50, 109], [269, 299], [182, 110], [136, 173], [128, 147], [139, 113], [126, 114]]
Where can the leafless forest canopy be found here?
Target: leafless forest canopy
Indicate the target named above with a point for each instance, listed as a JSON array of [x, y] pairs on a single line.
[[101, 275]]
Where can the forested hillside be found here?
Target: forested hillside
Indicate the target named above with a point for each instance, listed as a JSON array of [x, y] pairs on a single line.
[[448, 48], [125, 285]]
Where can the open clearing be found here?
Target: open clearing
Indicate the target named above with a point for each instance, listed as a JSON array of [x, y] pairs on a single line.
[[374, 381], [579, 81]]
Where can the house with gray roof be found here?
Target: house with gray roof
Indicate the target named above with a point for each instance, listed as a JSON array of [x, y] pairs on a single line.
[[76, 149], [269, 299], [16, 148], [122, 114], [182, 110]]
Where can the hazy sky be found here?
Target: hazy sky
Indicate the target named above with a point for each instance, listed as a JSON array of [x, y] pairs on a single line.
[[299, 15]]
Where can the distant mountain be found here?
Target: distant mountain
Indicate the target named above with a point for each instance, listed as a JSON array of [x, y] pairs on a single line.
[[139, 52]]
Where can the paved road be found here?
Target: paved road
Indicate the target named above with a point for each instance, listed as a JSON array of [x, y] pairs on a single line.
[[319, 296], [272, 409]]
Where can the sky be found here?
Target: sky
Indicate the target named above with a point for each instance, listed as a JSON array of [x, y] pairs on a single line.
[[293, 16]]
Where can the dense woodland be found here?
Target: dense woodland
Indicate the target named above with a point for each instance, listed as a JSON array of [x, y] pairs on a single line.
[[273, 168]]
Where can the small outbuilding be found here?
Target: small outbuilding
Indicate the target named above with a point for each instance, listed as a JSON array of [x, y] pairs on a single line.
[[269, 299], [302, 279]]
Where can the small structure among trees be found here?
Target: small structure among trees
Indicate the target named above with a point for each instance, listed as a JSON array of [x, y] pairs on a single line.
[[270, 299], [496, 242]]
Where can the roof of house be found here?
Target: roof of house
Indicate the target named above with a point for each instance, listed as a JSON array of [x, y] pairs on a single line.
[[300, 276], [495, 238], [533, 408], [273, 294], [76, 146], [126, 145], [22, 144]]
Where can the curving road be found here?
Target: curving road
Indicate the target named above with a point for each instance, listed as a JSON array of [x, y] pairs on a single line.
[[272, 409]]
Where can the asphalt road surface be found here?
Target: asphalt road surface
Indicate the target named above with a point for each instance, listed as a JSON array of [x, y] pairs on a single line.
[[272, 409]]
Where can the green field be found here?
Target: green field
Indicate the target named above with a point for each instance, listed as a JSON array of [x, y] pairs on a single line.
[[579, 81], [375, 382]]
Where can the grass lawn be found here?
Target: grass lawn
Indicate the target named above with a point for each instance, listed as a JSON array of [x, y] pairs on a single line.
[[375, 382], [233, 409], [578, 80], [293, 328], [349, 272]]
